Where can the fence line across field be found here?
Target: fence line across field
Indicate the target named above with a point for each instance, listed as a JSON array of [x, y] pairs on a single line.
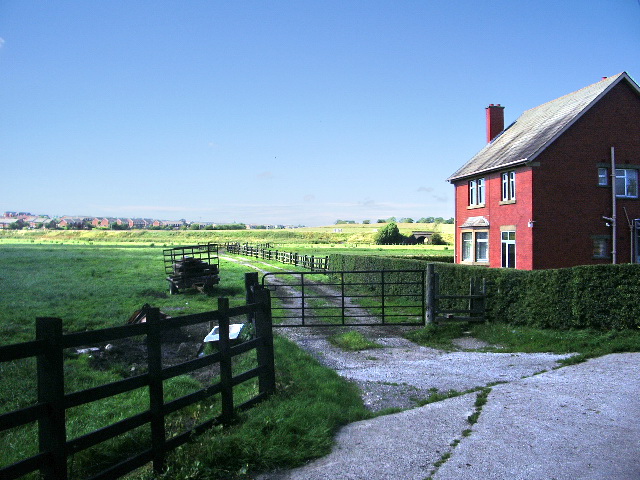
[[312, 262], [50, 410]]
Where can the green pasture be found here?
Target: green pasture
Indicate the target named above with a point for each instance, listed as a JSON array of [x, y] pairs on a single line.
[[96, 286]]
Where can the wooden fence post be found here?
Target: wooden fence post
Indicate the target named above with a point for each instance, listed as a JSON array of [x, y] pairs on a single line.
[[250, 285], [265, 352], [431, 294], [226, 372], [156, 388], [52, 434]]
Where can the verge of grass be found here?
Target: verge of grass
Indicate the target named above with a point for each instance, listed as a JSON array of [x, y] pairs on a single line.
[[587, 343], [352, 341]]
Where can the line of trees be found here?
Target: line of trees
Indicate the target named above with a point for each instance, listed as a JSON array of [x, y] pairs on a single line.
[[401, 220]]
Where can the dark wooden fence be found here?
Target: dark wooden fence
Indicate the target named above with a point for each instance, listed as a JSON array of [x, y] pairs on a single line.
[[50, 410], [454, 308], [310, 262]]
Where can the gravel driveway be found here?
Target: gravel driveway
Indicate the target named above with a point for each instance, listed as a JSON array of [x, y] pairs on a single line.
[[402, 373]]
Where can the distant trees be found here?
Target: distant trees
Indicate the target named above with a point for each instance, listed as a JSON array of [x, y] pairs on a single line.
[[389, 235], [436, 239], [436, 220], [17, 225]]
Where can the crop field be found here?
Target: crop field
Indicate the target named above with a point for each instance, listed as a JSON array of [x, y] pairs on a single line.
[[337, 236]]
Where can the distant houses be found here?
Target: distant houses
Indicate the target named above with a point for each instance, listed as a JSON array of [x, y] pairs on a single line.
[[21, 220]]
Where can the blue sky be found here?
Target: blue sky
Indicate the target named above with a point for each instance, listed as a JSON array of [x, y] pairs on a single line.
[[292, 112]]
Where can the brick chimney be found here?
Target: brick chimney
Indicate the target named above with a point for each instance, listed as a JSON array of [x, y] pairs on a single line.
[[495, 121]]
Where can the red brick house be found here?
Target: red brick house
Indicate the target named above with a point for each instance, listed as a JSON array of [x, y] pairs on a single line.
[[558, 187]]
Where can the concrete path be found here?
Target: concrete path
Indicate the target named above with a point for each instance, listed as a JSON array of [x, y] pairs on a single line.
[[577, 422]]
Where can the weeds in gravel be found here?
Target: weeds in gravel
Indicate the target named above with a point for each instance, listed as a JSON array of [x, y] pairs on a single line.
[[481, 400], [353, 341], [438, 336], [436, 396]]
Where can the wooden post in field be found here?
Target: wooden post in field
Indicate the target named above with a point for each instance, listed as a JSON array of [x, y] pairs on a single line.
[[226, 372], [52, 432], [251, 284], [265, 352], [156, 388]]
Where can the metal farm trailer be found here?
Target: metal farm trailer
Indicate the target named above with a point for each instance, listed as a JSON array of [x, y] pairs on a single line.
[[194, 266]]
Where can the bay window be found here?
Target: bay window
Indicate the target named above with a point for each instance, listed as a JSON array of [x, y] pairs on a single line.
[[475, 247]]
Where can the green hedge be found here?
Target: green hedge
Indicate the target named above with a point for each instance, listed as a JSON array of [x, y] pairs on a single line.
[[594, 296]]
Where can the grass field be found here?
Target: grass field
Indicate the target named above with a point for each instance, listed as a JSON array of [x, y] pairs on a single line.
[[92, 287]]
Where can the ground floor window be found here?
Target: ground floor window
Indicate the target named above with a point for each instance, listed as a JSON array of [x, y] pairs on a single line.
[[601, 246], [509, 249], [636, 246], [475, 246], [482, 246]]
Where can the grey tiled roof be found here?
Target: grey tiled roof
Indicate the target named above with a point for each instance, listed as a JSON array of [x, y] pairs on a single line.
[[535, 129]]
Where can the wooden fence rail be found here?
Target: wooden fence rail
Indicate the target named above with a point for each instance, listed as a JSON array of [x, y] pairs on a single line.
[[50, 410], [310, 262]]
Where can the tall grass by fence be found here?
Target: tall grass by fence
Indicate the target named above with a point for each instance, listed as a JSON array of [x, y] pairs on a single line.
[[52, 402], [264, 252]]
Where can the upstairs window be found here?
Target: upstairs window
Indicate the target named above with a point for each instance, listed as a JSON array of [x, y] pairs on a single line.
[[476, 192], [626, 183], [509, 186], [603, 177]]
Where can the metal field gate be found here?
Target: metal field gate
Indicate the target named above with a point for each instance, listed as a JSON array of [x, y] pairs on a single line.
[[350, 298]]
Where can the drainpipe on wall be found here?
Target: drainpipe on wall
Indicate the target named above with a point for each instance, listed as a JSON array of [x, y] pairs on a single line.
[[614, 227], [631, 232]]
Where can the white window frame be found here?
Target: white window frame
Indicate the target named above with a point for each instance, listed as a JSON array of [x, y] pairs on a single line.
[[477, 192], [626, 183], [509, 186], [482, 240], [467, 246], [472, 242], [508, 243]]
